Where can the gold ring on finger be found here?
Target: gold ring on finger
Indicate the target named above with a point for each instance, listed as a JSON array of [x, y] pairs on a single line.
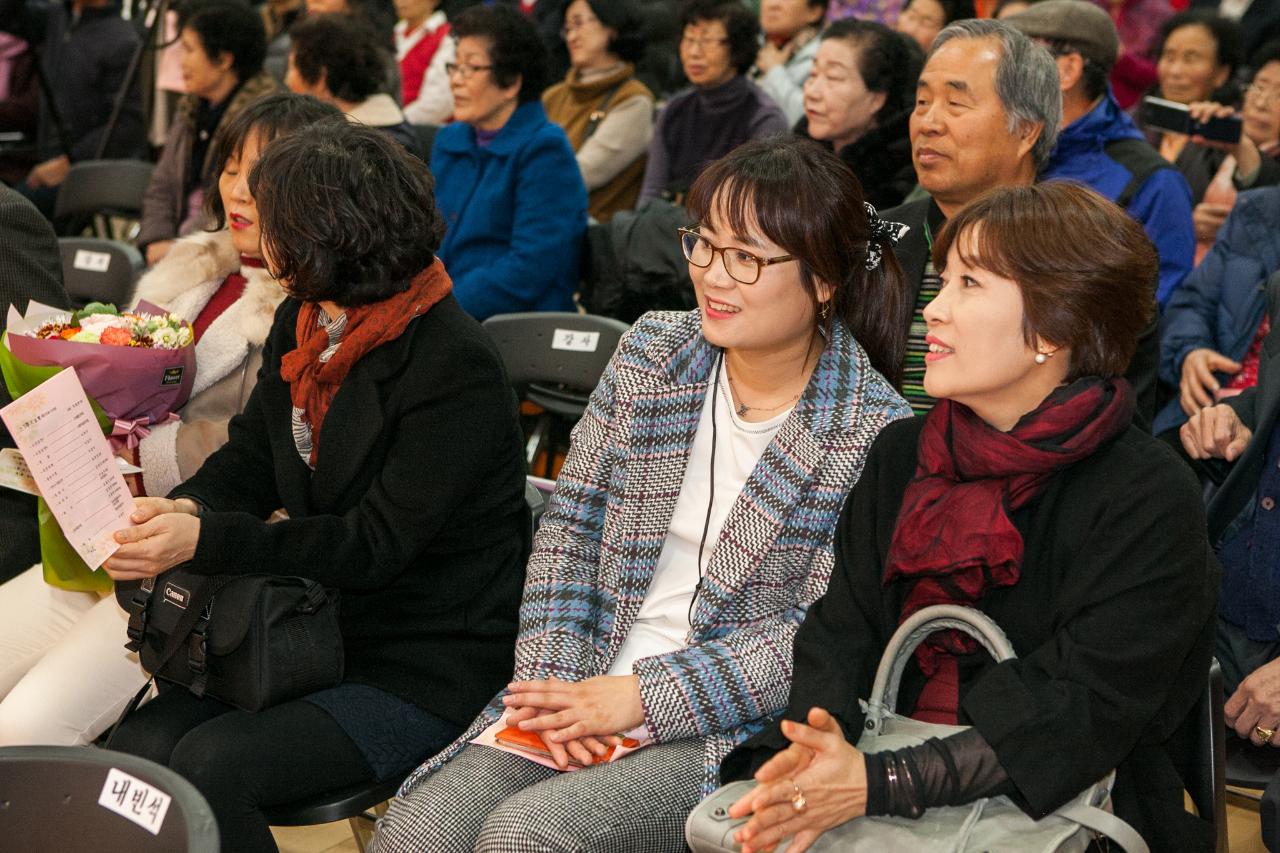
[[798, 802], [1265, 735]]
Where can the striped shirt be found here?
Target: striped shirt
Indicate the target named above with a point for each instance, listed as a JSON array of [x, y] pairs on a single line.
[[301, 428], [913, 367]]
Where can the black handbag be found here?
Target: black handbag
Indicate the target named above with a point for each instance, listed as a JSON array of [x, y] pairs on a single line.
[[251, 641]]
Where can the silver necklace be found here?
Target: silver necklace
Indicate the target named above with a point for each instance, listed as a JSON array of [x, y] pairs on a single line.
[[742, 408]]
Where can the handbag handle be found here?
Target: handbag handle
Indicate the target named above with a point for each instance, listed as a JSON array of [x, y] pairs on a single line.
[[914, 631]]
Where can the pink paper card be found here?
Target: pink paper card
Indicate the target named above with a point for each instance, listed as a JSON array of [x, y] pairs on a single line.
[[68, 456]]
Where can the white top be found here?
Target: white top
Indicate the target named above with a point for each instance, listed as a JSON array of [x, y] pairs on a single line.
[[662, 624], [1233, 9], [434, 104]]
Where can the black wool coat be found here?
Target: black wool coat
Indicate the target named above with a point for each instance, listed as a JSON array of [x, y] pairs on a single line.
[[1112, 620], [415, 510]]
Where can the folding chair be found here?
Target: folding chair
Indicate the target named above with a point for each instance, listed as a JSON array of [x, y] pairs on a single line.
[[362, 805], [95, 270], [95, 191], [554, 359], [55, 798]]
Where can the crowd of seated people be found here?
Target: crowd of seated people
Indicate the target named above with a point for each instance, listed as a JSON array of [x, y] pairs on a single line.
[[952, 344]]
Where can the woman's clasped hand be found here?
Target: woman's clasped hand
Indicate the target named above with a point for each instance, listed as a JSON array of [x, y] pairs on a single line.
[[815, 784], [164, 534], [577, 720]]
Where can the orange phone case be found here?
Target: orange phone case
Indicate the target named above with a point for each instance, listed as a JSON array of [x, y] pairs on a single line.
[[532, 742]]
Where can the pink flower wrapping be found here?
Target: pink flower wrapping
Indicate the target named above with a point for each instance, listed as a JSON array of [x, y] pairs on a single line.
[[129, 383]]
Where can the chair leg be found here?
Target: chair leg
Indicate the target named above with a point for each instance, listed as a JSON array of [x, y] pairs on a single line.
[[362, 831], [362, 825], [538, 439]]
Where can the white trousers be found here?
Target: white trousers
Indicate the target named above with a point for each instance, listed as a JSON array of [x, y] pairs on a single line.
[[64, 672]]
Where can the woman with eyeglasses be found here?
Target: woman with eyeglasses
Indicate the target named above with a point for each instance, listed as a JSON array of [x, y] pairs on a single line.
[[691, 525], [1213, 327], [606, 112], [507, 181], [722, 110], [1217, 171], [922, 20]]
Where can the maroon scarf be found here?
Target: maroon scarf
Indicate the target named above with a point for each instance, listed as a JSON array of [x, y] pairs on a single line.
[[954, 539]]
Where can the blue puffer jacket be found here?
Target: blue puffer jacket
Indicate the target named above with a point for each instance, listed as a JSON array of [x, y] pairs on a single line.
[[1221, 303], [1162, 204], [515, 212]]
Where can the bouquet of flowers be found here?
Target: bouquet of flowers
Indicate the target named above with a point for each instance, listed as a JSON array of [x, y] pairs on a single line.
[[137, 368]]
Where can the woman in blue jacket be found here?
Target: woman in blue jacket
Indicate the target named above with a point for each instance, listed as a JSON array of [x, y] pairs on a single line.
[[506, 178]]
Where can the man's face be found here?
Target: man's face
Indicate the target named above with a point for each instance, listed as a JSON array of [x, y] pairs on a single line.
[[960, 139]]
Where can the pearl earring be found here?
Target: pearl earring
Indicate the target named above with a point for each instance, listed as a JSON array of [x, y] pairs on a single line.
[[1041, 358]]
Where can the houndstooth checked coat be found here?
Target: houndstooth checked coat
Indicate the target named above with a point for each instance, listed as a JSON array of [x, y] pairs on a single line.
[[599, 541]]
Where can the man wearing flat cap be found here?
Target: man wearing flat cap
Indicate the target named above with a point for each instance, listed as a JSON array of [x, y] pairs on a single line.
[[1099, 144]]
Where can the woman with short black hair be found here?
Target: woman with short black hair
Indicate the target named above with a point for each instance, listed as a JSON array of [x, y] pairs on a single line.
[[858, 99], [605, 111], [508, 183], [724, 109], [223, 49], [1197, 55], [383, 425], [338, 59]]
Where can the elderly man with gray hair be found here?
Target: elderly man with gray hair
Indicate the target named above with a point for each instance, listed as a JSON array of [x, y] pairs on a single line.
[[1099, 145], [987, 113], [988, 108]]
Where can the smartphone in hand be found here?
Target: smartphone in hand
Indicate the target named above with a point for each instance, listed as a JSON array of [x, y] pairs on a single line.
[[1174, 117]]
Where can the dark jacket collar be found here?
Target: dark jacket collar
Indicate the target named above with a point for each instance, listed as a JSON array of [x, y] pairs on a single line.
[[1106, 122]]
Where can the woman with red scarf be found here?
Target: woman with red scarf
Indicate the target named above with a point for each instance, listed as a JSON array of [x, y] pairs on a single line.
[[382, 423], [1026, 494]]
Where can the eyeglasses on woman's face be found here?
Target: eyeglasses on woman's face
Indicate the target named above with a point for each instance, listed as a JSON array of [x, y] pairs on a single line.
[[742, 266], [464, 72], [577, 23], [702, 43]]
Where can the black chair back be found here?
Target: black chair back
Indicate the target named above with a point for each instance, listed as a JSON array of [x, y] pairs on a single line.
[[1206, 781], [79, 798], [96, 270], [555, 358], [105, 188]]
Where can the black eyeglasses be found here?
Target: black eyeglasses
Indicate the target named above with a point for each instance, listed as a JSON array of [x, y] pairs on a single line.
[[742, 266], [463, 71]]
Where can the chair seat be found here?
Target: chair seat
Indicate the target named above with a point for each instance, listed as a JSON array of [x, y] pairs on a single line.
[[563, 402], [1250, 766], [338, 804]]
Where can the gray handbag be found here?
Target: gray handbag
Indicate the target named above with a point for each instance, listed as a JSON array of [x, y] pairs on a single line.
[[989, 824]]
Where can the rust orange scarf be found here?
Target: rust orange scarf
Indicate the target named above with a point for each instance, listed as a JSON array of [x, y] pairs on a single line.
[[312, 383]]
